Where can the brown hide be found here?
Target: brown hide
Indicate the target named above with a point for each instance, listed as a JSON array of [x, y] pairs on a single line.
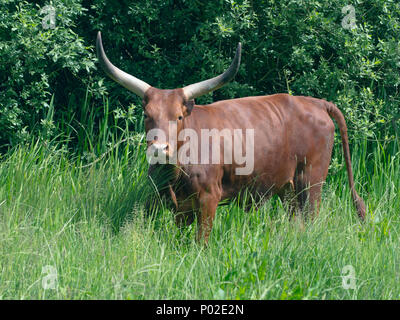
[[293, 140]]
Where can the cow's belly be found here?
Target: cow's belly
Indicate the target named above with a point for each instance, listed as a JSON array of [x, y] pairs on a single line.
[[273, 167], [266, 180]]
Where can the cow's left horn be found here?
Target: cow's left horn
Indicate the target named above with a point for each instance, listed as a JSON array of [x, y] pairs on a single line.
[[128, 81], [198, 89]]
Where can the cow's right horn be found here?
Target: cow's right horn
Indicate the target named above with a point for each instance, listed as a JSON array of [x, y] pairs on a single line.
[[128, 81]]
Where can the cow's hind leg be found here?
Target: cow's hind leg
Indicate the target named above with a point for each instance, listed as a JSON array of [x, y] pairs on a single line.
[[308, 182]]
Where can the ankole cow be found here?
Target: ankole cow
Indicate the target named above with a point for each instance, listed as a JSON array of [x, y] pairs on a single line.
[[290, 151]]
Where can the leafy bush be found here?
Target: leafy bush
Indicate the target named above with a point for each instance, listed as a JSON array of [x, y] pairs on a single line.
[[37, 62]]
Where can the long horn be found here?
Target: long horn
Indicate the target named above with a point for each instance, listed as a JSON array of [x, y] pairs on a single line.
[[128, 81], [198, 89]]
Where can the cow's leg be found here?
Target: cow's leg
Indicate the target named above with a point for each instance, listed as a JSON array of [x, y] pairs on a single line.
[[315, 197], [317, 175], [308, 185], [208, 202]]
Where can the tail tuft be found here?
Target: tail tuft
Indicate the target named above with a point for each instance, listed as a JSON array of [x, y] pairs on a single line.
[[360, 206]]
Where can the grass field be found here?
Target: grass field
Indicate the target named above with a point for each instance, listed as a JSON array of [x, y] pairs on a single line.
[[70, 230]]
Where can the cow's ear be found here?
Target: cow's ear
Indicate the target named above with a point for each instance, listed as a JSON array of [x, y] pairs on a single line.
[[189, 106]]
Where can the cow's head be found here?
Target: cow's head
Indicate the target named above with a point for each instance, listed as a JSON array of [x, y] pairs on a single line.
[[163, 106]]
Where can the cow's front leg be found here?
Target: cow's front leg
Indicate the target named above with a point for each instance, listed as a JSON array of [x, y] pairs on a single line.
[[208, 202]]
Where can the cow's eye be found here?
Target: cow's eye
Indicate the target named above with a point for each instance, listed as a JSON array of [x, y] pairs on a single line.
[[145, 116], [180, 118]]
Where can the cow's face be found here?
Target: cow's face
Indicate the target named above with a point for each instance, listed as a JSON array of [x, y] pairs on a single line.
[[164, 114]]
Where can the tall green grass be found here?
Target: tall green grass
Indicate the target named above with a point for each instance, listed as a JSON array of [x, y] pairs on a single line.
[[87, 220]]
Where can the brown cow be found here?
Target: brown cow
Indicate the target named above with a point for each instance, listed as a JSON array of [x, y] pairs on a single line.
[[293, 140]]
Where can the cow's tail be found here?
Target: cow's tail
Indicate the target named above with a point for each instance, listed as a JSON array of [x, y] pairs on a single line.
[[336, 114]]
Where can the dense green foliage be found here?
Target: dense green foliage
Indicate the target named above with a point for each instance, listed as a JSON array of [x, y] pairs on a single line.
[[35, 65], [294, 46]]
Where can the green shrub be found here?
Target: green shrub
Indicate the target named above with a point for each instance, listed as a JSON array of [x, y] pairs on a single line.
[[37, 63]]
